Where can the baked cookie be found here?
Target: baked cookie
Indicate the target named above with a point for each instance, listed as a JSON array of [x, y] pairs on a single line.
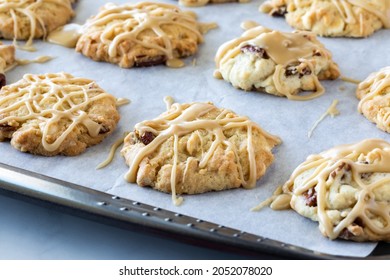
[[54, 114], [275, 62], [348, 18], [142, 34], [29, 19], [7, 58], [199, 3], [347, 190], [195, 148], [374, 95]]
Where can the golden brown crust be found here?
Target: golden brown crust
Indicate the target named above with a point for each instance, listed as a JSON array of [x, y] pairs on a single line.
[[47, 15], [325, 18], [65, 116], [347, 190], [374, 95], [165, 33], [222, 169]]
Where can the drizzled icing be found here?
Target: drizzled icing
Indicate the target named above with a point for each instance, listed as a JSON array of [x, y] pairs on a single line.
[[7, 57], [66, 35], [51, 99], [380, 8], [28, 9], [283, 48], [366, 157], [129, 22], [374, 86], [332, 111], [183, 119]]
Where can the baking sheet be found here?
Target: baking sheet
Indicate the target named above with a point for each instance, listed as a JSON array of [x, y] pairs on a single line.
[[291, 120]]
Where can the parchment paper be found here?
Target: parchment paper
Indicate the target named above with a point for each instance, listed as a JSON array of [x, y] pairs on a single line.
[[291, 120]]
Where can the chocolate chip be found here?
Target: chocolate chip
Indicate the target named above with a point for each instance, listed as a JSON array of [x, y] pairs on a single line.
[[145, 61], [311, 197], [258, 51], [147, 137], [280, 12], [291, 70], [316, 53], [104, 130], [3, 80], [346, 234], [365, 175]]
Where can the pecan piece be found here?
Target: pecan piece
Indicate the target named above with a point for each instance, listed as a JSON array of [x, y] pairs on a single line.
[[311, 197], [6, 128], [258, 51], [147, 137]]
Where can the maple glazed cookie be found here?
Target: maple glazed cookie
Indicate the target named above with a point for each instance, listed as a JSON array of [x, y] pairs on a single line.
[[349, 18], [195, 148], [347, 190], [54, 114], [374, 95], [275, 62], [7, 58], [142, 34], [199, 3], [29, 19]]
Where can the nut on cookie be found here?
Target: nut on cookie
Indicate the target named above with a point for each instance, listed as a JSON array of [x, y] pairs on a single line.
[[141, 34], [349, 18], [346, 190], [197, 147], [275, 62], [374, 95]]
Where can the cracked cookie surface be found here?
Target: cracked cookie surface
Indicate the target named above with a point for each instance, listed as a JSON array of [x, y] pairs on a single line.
[[195, 148], [347, 190], [53, 114], [142, 34], [374, 95], [349, 18]]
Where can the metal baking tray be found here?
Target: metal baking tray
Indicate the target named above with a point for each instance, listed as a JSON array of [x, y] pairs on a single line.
[[128, 214]]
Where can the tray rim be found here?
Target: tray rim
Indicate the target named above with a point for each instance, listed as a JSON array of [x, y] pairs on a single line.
[[125, 213]]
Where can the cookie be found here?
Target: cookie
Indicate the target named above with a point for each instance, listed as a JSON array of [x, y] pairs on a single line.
[[275, 62], [53, 114], [142, 34], [374, 95], [195, 148], [7, 58], [199, 3], [348, 18], [347, 190], [31, 19]]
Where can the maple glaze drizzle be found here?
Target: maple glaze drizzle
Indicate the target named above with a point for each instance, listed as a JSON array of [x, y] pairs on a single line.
[[51, 98]]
